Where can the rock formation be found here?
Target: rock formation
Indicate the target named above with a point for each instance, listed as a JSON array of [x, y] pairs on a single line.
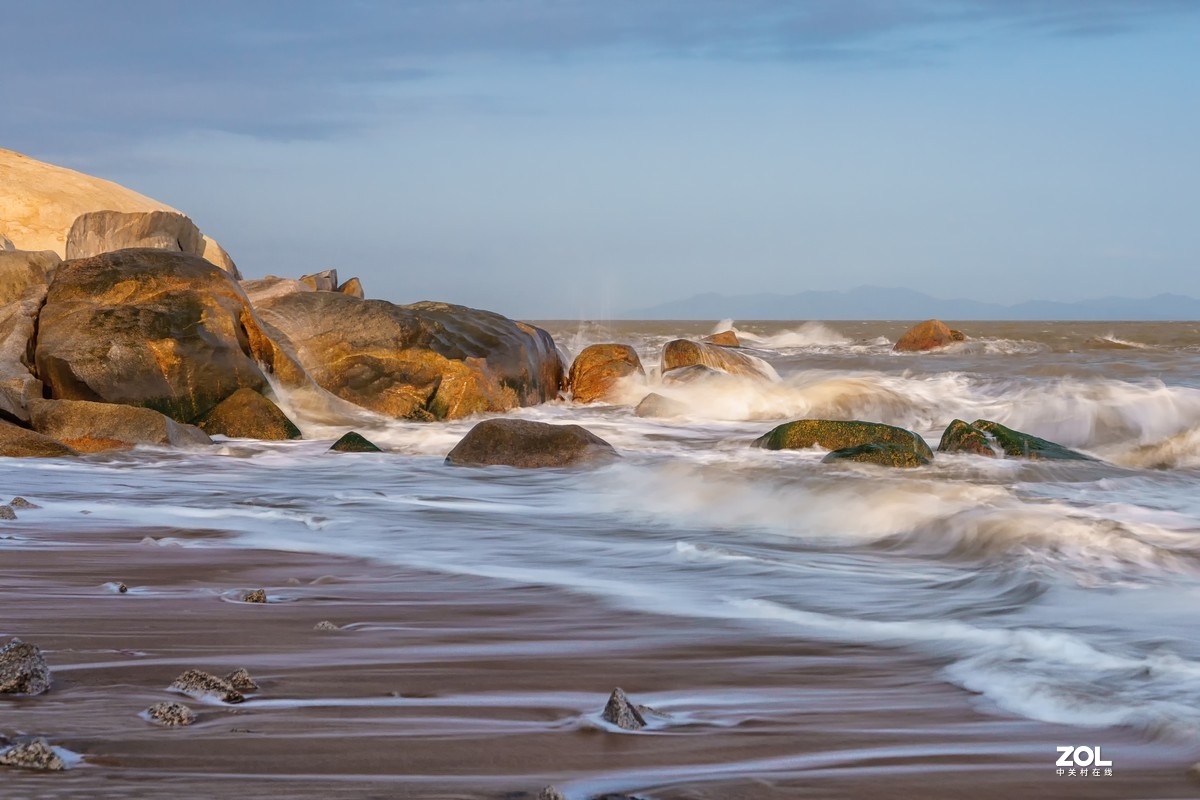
[[246, 414], [1016, 444], [622, 713], [17, 442], [597, 370], [23, 669], [523, 443], [202, 685], [840, 434], [884, 455], [686, 353], [170, 715], [928, 335], [722, 339], [34, 754], [94, 427], [655, 405], [354, 443]]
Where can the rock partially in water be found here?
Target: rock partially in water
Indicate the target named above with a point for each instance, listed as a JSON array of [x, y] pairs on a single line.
[[170, 715], [354, 443], [527, 444], [7, 513], [622, 713], [240, 679], [884, 455], [928, 335], [550, 793], [16, 442], [597, 370], [122, 589], [23, 669], [246, 414], [722, 339], [959, 437], [325, 625], [655, 405], [692, 374], [840, 434], [95, 427], [685, 353], [21, 502], [255, 596], [203, 685], [35, 754], [1024, 445]]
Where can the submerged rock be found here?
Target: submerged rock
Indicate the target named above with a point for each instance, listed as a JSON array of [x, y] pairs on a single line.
[[255, 596], [622, 713], [23, 669], [21, 502], [6, 512], [170, 715], [202, 685], [884, 455], [35, 754], [722, 339], [93, 427], [523, 443], [655, 405], [354, 443], [959, 437], [685, 353], [840, 434], [246, 414], [325, 625], [597, 370], [928, 335], [1024, 445], [240, 679]]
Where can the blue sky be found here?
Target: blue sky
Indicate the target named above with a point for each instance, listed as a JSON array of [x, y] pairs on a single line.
[[574, 159]]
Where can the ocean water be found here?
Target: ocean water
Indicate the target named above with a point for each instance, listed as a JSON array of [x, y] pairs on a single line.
[[1059, 592]]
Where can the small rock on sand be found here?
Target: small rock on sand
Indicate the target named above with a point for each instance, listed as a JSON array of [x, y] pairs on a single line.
[[256, 596], [6, 512], [23, 669], [550, 793], [325, 625], [21, 502], [35, 754], [620, 712], [200, 685], [240, 679], [171, 715]]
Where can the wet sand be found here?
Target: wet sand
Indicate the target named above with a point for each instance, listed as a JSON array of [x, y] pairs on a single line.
[[450, 687]]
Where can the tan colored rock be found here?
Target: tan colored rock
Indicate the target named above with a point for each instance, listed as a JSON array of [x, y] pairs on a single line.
[[22, 270], [423, 361], [94, 427], [151, 328], [655, 405], [17, 442], [352, 287], [18, 324], [246, 414], [686, 353], [723, 339], [928, 335], [326, 281], [214, 254], [99, 232], [6, 244], [597, 370], [265, 289]]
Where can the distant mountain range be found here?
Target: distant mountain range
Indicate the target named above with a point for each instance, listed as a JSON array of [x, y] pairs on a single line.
[[873, 302]]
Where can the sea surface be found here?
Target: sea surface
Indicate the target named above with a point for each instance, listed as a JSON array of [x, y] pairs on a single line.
[[1060, 592]]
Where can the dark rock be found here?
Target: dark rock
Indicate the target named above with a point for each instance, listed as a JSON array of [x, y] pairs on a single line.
[[93, 427], [201, 685], [246, 414], [167, 331], [240, 679], [685, 353], [423, 361], [840, 434], [99, 232], [1023, 445], [620, 712], [959, 437], [597, 370], [255, 596], [927, 335], [354, 443], [21, 502], [122, 588], [6, 512], [722, 339], [352, 287], [23, 669], [522, 443], [884, 455], [171, 715], [20, 443], [655, 405], [325, 281], [35, 754]]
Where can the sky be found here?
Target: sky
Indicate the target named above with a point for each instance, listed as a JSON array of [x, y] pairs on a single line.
[[577, 159]]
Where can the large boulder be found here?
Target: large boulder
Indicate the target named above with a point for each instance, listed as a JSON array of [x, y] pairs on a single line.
[[214, 254], [656, 405], [22, 270], [423, 361], [523, 443], [18, 326], [325, 281], [686, 353], [722, 339], [352, 287], [959, 437], [928, 335], [94, 427], [884, 455], [1016, 444], [840, 434], [164, 330], [263, 290], [99, 232], [23, 669], [16, 442], [596, 371], [246, 414]]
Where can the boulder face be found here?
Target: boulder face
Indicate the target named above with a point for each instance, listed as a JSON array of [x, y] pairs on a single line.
[[1016, 444], [94, 427], [246, 414], [99, 232], [167, 331], [928, 335], [23, 669], [884, 455], [23, 270], [423, 361], [959, 437], [840, 434], [214, 254], [686, 353], [326, 281], [18, 325], [722, 339], [596, 371], [527, 444], [352, 287], [655, 405], [16, 442]]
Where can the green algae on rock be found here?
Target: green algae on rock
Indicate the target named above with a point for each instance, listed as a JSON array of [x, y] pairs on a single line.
[[354, 443], [1024, 445], [839, 434], [246, 414], [884, 455], [959, 437]]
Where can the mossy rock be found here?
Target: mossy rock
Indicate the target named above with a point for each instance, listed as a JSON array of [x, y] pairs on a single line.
[[246, 414], [354, 443], [840, 434], [960, 437], [885, 455], [1023, 445]]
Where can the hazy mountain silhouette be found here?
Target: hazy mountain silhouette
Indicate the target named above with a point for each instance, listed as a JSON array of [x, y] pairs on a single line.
[[873, 302]]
